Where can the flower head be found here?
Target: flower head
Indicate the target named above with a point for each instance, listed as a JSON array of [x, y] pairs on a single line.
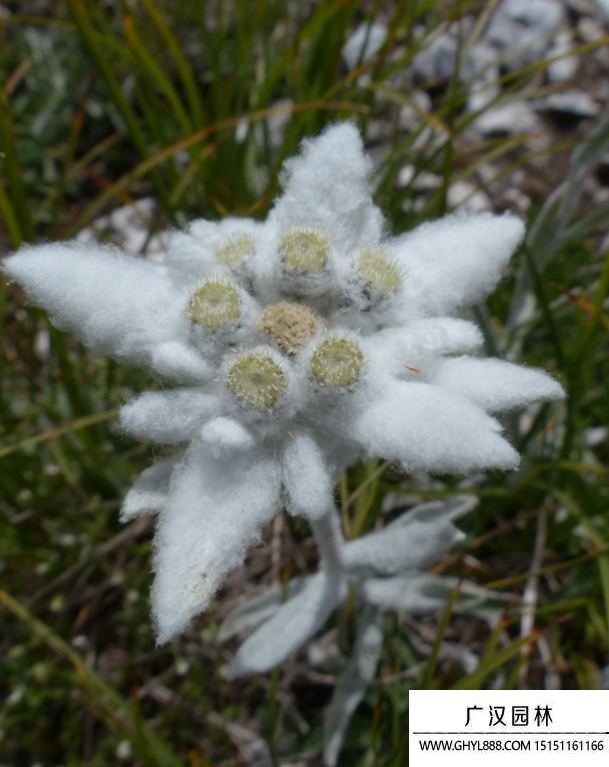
[[297, 344]]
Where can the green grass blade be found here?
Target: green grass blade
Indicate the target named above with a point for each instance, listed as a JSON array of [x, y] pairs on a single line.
[[147, 165], [58, 431], [430, 669], [78, 9], [107, 703], [19, 218], [198, 111]]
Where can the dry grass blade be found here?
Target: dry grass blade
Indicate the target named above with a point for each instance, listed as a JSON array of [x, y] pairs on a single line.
[[57, 431]]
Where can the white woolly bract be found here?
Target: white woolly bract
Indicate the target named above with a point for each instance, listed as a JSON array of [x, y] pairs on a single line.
[[307, 478], [214, 513], [177, 361], [224, 436], [397, 427], [457, 260], [168, 417], [423, 341], [326, 188], [149, 494], [117, 304], [496, 385]]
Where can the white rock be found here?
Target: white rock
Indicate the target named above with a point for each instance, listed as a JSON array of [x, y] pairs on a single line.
[[581, 6], [603, 6], [595, 435], [364, 44], [521, 30], [507, 120], [564, 69], [129, 228], [406, 175], [518, 200], [486, 90], [427, 182], [124, 750], [572, 102], [589, 30], [437, 61], [409, 117], [423, 182], [465, 196]]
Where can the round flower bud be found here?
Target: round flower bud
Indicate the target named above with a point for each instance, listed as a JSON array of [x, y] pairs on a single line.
[[380, 271], [304, 251], [257, 380], [337, 362], [214, 303], [235, 250]]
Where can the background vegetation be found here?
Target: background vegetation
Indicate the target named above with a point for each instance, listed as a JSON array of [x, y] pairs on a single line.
[[195, 105]]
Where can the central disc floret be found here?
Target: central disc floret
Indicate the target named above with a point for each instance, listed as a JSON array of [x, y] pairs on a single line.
[[215, 303], [304, 250], [235, 250], [337, 362], [292, 325], [380, 271], [257, 380]]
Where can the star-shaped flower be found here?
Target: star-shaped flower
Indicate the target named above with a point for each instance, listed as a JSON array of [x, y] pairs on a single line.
[[298, 343]]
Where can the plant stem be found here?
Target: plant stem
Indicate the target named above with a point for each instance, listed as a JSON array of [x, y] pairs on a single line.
[[329, 539]]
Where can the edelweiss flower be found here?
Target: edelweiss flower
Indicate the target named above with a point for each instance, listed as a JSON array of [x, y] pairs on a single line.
[[299, 343]]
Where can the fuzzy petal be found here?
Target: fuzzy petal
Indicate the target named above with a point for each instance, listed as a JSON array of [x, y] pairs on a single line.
[[149, 494], [168, 417], [115, 303], [291, 626], [306, 478], [426, 428], [326, 188], [457, 260], [214, 514], [496, 385]]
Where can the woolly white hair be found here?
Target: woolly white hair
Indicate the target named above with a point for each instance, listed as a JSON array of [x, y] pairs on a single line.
[[270, 412]]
